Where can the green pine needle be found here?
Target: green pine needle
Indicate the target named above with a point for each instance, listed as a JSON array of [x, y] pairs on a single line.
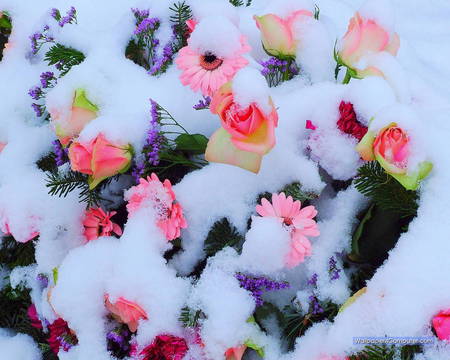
[[181, 13], [221, 235], [384, 190], [65, 56]]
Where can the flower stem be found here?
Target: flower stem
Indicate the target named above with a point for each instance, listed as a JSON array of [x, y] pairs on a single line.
[[347, 77]]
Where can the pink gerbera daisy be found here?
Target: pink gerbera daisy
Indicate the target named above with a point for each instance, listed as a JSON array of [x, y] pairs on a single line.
[[299, 222], [207, 71], [160, 196]]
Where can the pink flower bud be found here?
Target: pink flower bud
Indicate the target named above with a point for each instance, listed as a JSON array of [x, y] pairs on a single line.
[[365, 37], [277, 34]]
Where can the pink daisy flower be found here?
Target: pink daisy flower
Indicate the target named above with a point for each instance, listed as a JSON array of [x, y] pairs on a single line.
[[207, 71], [152, 192], [299, 222]]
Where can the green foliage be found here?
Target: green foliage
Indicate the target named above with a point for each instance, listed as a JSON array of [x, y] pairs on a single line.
[[316, 12], [48, 163], [240, 2], [385, 191], [296, 322], [5, 23], [194, 144], [64, 57], [385, 352], [181, 13], [13, 253], [190, 318], [61, 184], [221, 235], [295, 190]]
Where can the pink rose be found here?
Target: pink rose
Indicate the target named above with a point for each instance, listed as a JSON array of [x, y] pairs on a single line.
[[246, 134], [277, 34], [99, 159], [80, 156], [391, 149], [441, 324], [97, 223], [365, 37], [68, 126], [126, 312]]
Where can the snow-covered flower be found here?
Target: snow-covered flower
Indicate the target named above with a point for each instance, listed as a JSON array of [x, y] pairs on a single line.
[[97, 223], [126, 312], [159, 195], [364, 37], [68, 124], [277, 33], [348, 122], [298, 221], [247, 132], [390, 147], [207, 71]]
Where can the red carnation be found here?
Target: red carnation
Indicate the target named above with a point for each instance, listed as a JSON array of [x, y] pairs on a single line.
[[61, 335], [348, 123], [165, 347], [34, 318]]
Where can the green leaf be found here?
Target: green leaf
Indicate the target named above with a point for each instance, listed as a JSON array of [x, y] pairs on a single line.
[[65, 56], [192, 143], [5, 22]]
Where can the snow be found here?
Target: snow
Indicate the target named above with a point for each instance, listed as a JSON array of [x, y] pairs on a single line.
[[410, 287]]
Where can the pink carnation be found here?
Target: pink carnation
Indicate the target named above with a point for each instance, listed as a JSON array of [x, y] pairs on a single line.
[[165, 347], [97, 223], [152, 192], [298, 221]]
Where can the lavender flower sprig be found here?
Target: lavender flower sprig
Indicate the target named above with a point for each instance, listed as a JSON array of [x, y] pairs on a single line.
[[119, 336], [315, 307], [60, 152], [203, 104], [39, 38], [333, 270], [258, 285], [277, 70], [69, 18]]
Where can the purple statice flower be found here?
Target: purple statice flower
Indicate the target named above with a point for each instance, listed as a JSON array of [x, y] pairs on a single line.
[[66, 341], [71, 16], [55, 14], [274, 69], [140, 14], [119, 336], [42, 279], [313, 280], [59, 65], [333, 270], [146, 25], [46, 79], [314, 304], [138, 171], [38, 109], [60, 152], [35, 92], [34, 42], [258, 285], [164, 60], [203, 104], [154, 138]]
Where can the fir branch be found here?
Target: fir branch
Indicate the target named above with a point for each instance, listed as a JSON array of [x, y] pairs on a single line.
[[48, 163], [190, 318], [221, 235], [295, 190], [63, 57], [61, 184], [181, 13], [385, 191], [375, 352], [237, 2]]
